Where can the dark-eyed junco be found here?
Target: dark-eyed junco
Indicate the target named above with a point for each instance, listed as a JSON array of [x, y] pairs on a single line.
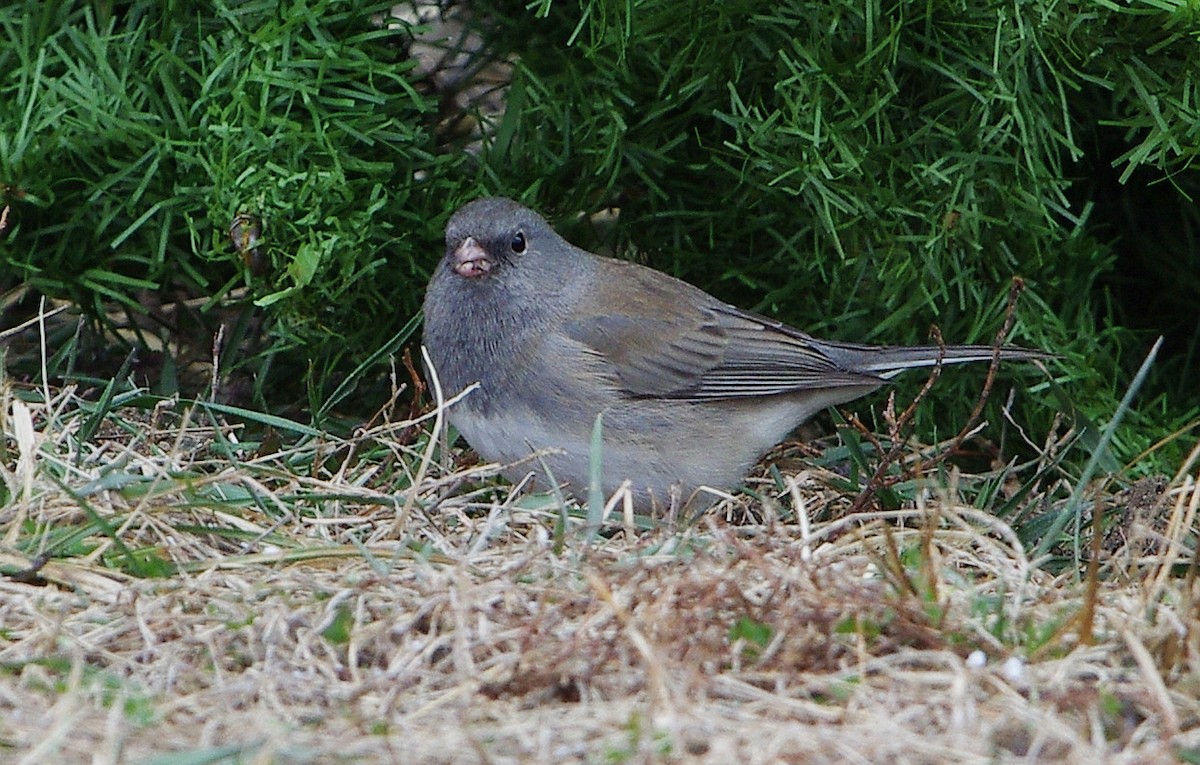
[[693, 391]]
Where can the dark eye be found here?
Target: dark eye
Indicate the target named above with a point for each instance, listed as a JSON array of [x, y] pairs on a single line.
[[518, 243]]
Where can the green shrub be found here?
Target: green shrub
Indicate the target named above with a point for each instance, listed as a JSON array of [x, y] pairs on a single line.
[[861, 169], [142, 129]]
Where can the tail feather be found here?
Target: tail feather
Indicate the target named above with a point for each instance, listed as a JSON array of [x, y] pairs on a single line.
[[888, 362]]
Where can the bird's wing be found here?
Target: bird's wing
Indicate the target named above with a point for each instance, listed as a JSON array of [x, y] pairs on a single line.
[[667, 339]]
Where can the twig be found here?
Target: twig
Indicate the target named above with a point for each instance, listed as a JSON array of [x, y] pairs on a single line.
[[1010, 314], [896, 426]]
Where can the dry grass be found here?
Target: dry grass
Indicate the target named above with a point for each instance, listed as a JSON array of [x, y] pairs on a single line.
[[172, 597]]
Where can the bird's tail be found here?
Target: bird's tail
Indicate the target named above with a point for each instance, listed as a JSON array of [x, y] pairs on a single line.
[[887, 362]]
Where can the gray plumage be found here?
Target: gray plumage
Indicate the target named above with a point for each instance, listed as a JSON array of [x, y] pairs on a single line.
[[693, 390]]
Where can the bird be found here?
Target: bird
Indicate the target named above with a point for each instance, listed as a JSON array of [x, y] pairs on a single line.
[[690, 391]]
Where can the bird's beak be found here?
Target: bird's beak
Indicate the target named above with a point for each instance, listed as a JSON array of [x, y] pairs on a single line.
[[470, 259]]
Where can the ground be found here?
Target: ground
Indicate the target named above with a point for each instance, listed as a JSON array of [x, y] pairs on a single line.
[[175, 593]]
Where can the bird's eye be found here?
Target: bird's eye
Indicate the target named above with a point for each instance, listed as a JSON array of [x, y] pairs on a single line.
[[518, 243]]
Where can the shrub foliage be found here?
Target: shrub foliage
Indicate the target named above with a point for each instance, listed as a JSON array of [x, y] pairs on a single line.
[[862, 169]]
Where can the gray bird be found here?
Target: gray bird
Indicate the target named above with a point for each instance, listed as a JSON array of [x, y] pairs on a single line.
[[693, 391]]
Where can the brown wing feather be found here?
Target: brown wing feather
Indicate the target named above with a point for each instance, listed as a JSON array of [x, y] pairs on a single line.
[[669, 339]]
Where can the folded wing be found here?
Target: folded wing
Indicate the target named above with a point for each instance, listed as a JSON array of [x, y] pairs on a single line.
[[671, 340]]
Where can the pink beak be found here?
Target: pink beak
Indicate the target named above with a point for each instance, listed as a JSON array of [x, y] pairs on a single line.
[[471, 260]]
